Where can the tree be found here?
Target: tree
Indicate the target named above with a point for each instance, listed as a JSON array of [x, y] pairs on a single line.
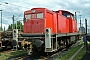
[[1, 29], [10, 27], [17, 25]]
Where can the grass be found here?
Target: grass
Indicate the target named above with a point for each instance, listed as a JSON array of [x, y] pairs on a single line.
[[7, 55], [18, 53], [80, 54], [72, 51]]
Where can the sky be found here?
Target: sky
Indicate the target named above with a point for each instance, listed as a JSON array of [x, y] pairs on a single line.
[[17, 8]]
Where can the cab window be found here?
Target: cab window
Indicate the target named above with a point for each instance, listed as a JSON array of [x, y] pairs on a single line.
[[39, 15], [66, 14], [34, 16], [28, 16]]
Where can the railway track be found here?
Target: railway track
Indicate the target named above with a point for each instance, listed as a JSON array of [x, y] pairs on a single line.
[[5, 51], [41, 55]]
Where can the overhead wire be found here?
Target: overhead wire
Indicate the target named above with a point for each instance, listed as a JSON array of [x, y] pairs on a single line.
[[9, 12], [54, 1], [13, 4], [24, 2]]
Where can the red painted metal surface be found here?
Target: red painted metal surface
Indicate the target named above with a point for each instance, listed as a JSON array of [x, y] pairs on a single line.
[[70, 25], [62, 28], [34, 26], [37, 19], [74, 26], [37, 26], [51, 20], [24, 29], [62, 23], [67, 25], [55, 22]]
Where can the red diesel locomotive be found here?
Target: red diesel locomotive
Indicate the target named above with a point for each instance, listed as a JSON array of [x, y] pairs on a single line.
[[48, 30], [37, 19]]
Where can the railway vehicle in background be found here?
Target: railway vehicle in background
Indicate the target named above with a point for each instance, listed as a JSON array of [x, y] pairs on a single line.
[[6, 40], [82, 29], [47, 30]]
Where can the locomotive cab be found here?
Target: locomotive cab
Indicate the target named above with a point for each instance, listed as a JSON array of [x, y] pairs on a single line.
[[34, 21]]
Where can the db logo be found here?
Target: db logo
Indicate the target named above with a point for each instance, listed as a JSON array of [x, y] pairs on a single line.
[[33, 11]]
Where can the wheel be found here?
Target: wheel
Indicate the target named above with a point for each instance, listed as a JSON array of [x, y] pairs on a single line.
[[32, 51], [55, 45]]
